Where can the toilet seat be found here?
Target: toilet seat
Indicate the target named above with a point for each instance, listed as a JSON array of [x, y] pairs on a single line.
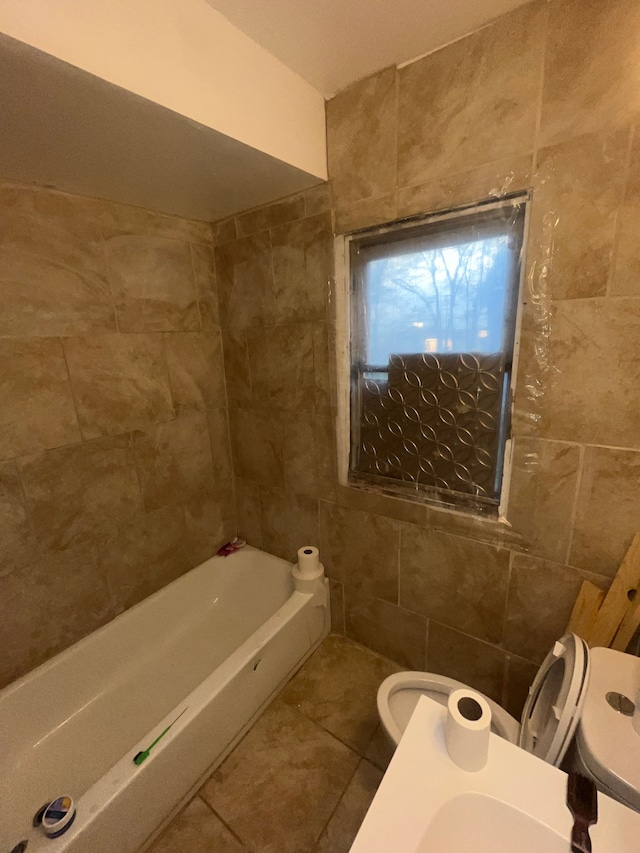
[[556, 699], [398, 696], [550, 715]]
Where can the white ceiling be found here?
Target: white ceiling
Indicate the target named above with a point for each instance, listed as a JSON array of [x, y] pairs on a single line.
[[68, 129], [332, 43]]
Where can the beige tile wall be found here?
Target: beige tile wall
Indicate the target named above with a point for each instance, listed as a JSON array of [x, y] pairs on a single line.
[[115, 462], [546, 98]]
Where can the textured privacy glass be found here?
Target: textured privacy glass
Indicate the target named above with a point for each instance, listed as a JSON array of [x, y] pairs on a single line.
[[433, 325]]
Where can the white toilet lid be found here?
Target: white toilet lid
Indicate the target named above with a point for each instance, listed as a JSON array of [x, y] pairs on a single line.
[[553, 707]]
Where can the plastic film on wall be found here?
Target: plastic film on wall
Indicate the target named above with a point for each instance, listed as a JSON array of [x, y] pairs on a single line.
[[395, 396]]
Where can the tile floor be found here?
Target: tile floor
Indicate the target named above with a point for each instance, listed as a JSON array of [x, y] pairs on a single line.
[[302, 778]]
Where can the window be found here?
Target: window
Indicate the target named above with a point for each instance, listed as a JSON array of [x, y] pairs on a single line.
[[433, 325]]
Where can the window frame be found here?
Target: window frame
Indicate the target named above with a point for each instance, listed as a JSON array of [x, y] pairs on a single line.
[[345, 295]]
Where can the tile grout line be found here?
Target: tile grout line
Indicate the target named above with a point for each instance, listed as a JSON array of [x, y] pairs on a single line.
[[340, 798], [618, 214], [73, 393], [196, 287], [105, 261], [540, 98], [574, 509], [227, 826]]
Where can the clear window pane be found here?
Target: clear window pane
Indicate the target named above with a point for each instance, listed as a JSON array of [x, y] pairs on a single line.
[[450, 299], [432, 343]]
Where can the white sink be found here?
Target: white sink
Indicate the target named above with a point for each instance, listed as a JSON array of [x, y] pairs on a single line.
[[516, 804]]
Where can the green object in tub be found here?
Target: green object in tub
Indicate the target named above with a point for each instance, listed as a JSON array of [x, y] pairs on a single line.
[[142, 756]]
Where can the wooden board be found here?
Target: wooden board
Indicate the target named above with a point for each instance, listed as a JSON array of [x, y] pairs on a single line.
[[585, 610], [628, 628], [616, 603]]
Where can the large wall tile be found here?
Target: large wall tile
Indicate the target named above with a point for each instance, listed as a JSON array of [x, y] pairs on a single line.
[[466, 659], [54, 225], [336, 593], [48, 606], [76, 492], [317, 199], [236, 365], [472, 102], [140, 556], [544, 477], [520, 675], [248, 511], [302, 255], [289, 522], [458, 582], [196, 370], [37, 410], [309, 461], [211, 521], [52, 272], [591, 390], [119, 382], [224, 230], [608, 512], [491, 180], [361, 135], [372, 502], [386, 628], [324, 347], [245, 282], [594, 87], [173, 460], [256, 439], [153, 284], [360, 550], [176, 228], [59, 495], [365, 213], [41, 296], [541, 598], [19, 544], [626, 275], [282, 367], [118, 220], [578, 191], [205, 278], [487, 529], [220, 444], [271, 215]]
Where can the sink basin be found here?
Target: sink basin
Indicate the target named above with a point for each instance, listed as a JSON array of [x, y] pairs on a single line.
[[469, 822], [516, 804]]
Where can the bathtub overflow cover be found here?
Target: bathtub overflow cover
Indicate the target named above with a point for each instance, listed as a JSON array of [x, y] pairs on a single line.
[[621, 704]]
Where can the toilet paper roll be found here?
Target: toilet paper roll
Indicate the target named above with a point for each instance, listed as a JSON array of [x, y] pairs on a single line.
[[309, 562], [467, 729], [308, 573]]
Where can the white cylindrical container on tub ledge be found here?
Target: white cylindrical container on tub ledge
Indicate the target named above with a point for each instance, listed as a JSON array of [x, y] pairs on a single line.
[[308, 572]]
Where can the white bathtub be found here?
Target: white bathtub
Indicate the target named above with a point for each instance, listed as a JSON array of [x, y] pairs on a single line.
[[217, 642]]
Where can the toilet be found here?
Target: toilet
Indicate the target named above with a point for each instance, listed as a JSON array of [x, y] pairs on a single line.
[[579, 713]]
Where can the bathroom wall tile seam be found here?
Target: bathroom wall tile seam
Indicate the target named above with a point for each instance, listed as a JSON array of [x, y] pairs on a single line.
[[198, 295], [574, 504], [543, 60], [625, 189], [111, 293]]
